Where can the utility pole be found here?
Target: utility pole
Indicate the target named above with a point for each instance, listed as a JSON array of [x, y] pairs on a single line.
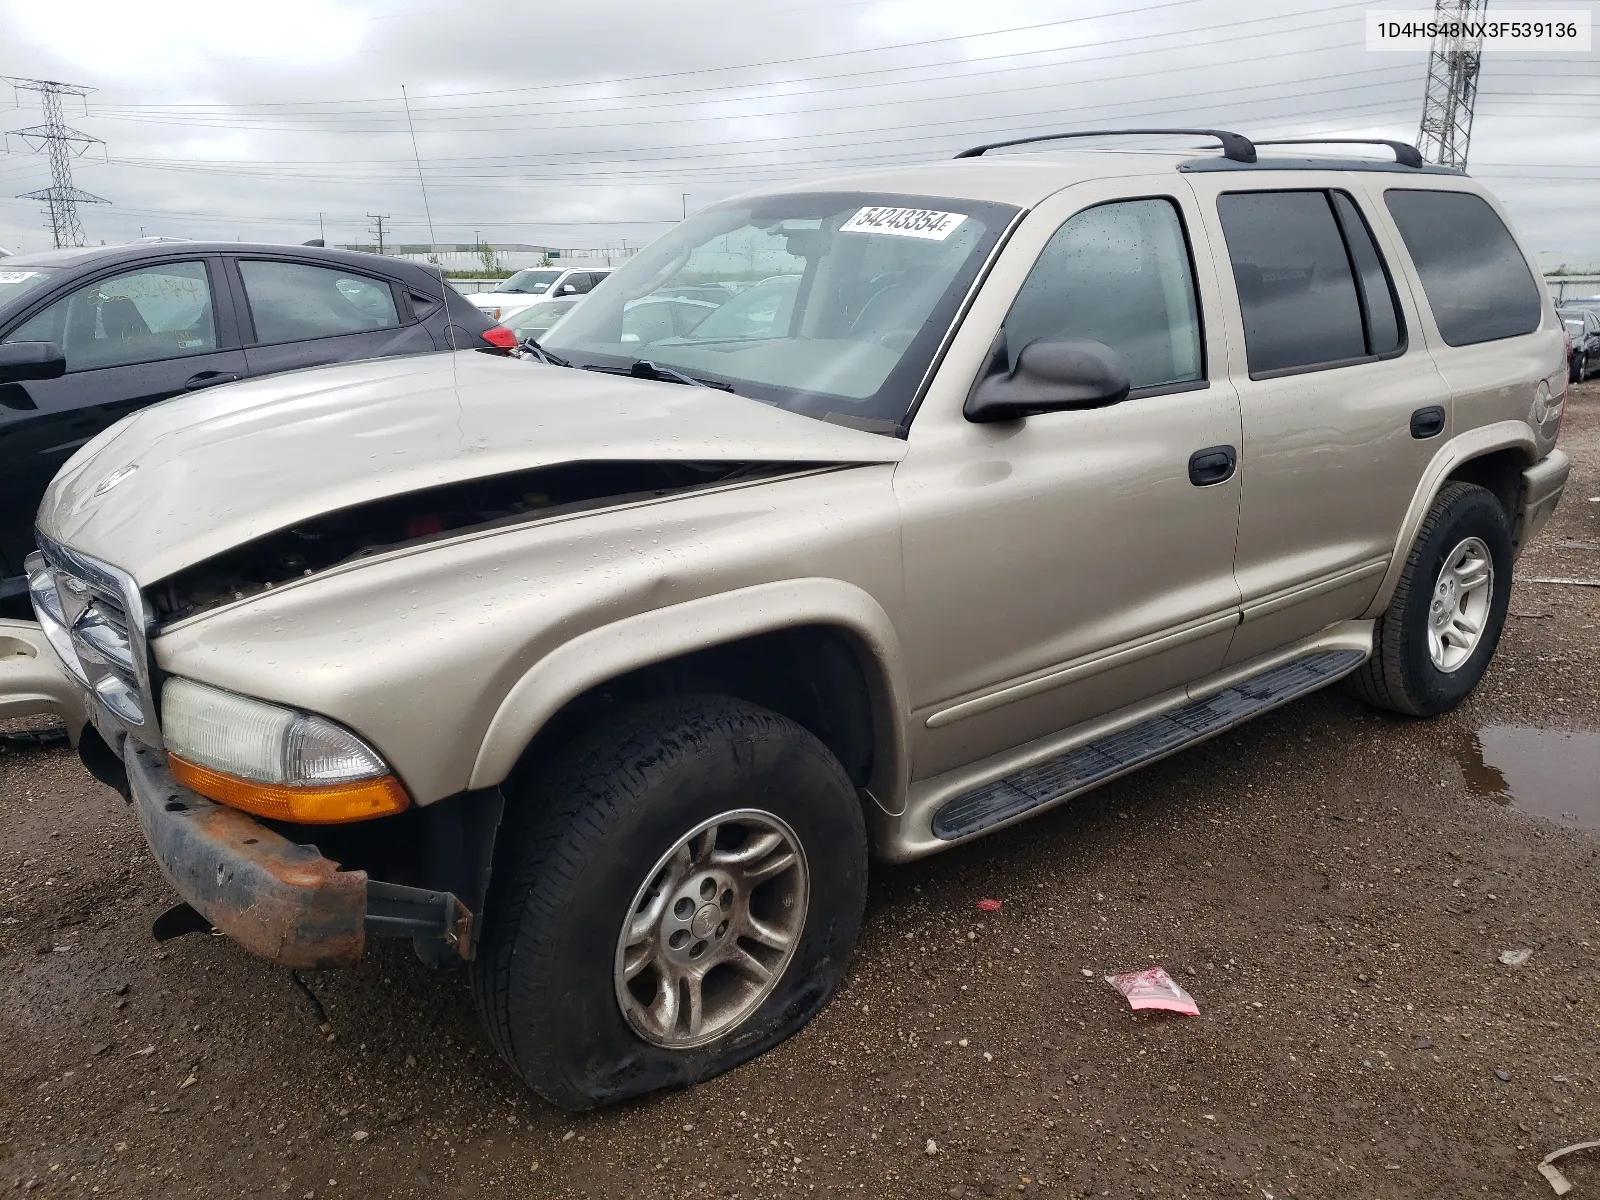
[[686, 196], [1453, 63], [322, 232], [63, 144], [378, 221]]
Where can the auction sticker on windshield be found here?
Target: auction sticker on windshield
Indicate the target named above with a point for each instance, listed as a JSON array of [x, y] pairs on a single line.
[[17, 276], [904, 222]]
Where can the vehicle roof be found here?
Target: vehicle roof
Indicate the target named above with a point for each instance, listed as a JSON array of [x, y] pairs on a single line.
[[128, 252], [1026, 178]]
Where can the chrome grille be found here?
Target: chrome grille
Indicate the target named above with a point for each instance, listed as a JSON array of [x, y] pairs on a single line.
[[96, 621]]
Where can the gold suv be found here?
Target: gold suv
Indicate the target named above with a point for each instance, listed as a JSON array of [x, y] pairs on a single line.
[[948, 493]]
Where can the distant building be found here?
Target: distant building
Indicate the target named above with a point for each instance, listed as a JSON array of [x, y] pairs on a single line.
[[508, 256]]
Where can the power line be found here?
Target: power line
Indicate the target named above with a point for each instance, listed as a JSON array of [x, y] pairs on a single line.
[[62, 143]]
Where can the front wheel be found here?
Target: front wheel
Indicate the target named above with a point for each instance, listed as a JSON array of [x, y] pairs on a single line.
[[676, 894], [1434, 641]]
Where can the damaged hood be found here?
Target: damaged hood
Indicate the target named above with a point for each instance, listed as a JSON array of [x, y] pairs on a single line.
[[182, 481]]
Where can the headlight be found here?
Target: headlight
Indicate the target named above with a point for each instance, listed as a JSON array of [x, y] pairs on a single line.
[[273, 761]]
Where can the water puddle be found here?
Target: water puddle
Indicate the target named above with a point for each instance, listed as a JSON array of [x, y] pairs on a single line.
[[1549, 773]]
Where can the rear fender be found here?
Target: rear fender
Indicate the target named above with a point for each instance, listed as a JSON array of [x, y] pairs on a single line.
[[1474, 443]]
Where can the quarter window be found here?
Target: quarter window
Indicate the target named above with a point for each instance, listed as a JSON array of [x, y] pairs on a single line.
[[1477, 282], [293, 302], [1118, 274], [142, 316]]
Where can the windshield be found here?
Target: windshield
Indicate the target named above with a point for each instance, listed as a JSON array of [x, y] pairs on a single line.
[[536, 318], [530, 282], [825, 303], [16, 282]]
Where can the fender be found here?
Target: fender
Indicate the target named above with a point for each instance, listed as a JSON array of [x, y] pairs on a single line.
[[665, 633], [32, 680], [1485, 439]]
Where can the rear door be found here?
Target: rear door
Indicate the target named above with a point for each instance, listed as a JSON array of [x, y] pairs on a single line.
[[131, 337], [303, 314], [1342, 407]]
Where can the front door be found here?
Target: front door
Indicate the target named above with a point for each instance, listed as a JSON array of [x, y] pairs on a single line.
[[306, 315], [130, 340], [1063, 566], [1343, 407]]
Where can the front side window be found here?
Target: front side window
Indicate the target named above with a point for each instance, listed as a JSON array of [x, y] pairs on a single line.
[[141, 316], [825, 303], [293, 302], [1117, 274], [1476, 280]]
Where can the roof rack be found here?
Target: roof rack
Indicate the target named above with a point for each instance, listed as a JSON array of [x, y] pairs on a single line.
[[1234, 146], [1405, 153]]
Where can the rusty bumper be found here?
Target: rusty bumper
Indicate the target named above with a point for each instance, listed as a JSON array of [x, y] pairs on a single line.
[[282, 901]]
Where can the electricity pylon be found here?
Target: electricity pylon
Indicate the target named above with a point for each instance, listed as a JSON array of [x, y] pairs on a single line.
[[1452, 84], [63, 144]]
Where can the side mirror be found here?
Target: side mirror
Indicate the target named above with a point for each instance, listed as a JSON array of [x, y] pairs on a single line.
[[568, 288], [20, 361], [1049, 377]]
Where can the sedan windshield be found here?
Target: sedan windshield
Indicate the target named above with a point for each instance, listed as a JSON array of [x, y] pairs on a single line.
[[532, 283], [16, 282], [825, 303]]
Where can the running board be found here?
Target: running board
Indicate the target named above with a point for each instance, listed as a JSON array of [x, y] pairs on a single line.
[[1082, 768]]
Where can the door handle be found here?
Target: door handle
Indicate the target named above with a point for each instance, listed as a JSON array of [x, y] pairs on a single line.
[[205, 379], [1212, 465], [1427, 422]]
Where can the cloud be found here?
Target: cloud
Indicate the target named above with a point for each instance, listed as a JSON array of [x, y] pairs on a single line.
[[583, 124]]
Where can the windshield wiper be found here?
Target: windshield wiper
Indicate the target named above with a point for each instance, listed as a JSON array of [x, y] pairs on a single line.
[[531, 346], [643, 368]]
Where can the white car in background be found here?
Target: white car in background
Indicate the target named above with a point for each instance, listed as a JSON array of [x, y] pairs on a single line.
[[528, 287]]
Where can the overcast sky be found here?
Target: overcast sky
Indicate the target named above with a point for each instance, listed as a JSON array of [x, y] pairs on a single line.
[[583, 124]]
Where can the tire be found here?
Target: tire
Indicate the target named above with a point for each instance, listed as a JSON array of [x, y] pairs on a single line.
[[576, 855], [1404, 675]]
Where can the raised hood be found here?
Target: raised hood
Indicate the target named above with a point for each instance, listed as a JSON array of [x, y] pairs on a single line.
[[182, 481]]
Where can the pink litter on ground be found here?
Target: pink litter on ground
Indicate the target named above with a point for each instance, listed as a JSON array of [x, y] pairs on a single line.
[[1154, 989], [990, 905]]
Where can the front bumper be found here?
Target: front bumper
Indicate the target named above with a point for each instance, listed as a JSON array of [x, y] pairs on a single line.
[[280, 900]]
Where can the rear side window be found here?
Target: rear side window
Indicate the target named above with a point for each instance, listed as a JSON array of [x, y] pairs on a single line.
[[1296, 290], [1477, 282], [292, 302], [1118, 274]]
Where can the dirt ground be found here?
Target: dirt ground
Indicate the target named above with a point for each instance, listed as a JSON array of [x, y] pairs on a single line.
[[1332, 885]]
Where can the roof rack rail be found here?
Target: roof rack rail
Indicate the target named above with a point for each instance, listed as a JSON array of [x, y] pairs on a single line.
[[1405, 153], [1234, 146]]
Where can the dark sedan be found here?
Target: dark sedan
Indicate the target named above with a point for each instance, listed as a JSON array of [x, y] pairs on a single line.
[[88, 336], [1583, 331]]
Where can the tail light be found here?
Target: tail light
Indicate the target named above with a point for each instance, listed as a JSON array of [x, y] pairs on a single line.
[[500, 338]]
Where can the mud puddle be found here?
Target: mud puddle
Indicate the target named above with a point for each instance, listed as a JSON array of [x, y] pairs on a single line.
[[1548, 773]]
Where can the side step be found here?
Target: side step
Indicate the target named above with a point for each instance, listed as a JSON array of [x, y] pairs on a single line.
[[1082, 768]]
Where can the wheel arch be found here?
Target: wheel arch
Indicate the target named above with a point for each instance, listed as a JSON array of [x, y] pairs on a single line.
[[1492, 456], [820, 651]]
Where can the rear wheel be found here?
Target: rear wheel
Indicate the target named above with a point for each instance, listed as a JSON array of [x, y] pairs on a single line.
[[1436, 638], [676, 894]]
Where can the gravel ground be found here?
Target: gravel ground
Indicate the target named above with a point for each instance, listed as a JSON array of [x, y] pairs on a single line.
[[1332, 885]]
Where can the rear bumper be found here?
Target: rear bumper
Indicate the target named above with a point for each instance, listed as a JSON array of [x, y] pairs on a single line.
[[280, 900], [1542, 485], [32, 680]]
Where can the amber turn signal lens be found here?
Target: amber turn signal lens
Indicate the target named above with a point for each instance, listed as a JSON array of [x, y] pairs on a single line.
[[325, 804]]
